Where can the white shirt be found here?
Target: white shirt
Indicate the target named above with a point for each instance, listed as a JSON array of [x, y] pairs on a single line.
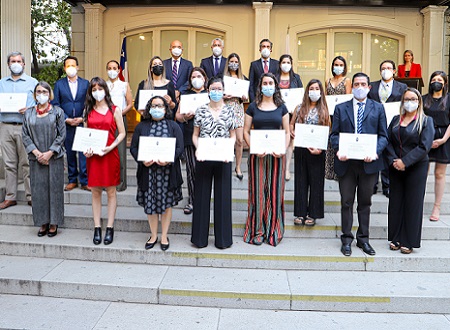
[[178, 64], [118, 92], [355, 111], [387, 85], [268, 63], [73, 85]]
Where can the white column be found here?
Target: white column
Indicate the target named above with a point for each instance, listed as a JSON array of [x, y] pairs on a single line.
[[93, 23], [262, 23], [15, 23], [433, 41]]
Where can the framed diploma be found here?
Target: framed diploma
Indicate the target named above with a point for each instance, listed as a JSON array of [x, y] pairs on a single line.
[[358, 146], [86, 138], [236, 87], [190, 103], [216, 149], [12, 102], [156, 148], [392, 109], [311, 136], [267, 141], [292, 97], [334, 100], [146, 94]]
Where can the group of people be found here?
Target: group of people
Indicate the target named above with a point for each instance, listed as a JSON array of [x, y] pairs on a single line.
[[417, 135]]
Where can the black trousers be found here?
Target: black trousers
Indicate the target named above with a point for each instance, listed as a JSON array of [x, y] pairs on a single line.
[[384, 180], [205, 172], [356, 180]]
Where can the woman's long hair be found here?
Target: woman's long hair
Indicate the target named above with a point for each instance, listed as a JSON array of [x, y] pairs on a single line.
[[90, 102], [238, 71], [291, 71], [277, 98], [321, 106], [202, 72], [421, 117], [148, 84], [410, 53], [345, 65], [429, 97]]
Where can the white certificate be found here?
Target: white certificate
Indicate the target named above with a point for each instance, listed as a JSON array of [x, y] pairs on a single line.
[[189, 103], [267, 141], [236, 87], [311, 136], [334, 100], [146, 94], [216, 149], [156, 149], [392, 109], [292, 97], [358, 146], [86, 138], [12, 102]]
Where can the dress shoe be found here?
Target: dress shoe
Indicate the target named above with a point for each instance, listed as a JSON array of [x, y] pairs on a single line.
[[164, 247], [5, 204], [85, 188], [109, 235], [375, 189], [346, 249], [366, 248], [386, 192], [43, 232], [53, 233], [71, 186], [149, 245], [97, 235], [239, 176], [30, 203]]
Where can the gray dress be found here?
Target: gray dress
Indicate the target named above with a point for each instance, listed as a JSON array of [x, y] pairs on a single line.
[[47, 181]]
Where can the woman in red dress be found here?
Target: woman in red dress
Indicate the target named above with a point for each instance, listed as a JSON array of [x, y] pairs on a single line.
[[103, 170], [409, 69]]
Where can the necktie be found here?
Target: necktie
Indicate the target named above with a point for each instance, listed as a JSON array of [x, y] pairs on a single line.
[[360, 117], [175, 73], [216, 66], [266, 68], [384, 93]]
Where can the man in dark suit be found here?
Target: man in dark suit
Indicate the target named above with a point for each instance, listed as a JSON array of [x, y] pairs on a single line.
[[215, 64], [384, 91], [363, 116], [262, 65], [177, 68], [70, 94]]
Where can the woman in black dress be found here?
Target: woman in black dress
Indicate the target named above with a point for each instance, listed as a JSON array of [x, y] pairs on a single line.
[[410, 138], [436, 105]]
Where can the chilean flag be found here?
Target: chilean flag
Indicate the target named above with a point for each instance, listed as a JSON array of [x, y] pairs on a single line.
[[123, 74]]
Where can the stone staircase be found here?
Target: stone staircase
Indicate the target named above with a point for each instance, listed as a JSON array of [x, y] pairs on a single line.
[[306, 272]]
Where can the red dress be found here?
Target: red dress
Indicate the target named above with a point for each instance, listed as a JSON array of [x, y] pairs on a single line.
[[103, 171]]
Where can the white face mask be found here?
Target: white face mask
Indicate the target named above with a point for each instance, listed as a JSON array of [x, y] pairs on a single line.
[[265, 52], [217, 51], [177, 51], [286, 67], [42, 98], [337, 70], [197, 83], [71, 71], [314, 95], [360, 93], [98, 95], [16, 68], [386, 74], [410, 106], [112, 74]]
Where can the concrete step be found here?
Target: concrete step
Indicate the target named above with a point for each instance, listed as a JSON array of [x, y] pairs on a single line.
[[399, 292]]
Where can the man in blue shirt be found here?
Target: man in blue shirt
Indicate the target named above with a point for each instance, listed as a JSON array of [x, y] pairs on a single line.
[[13, 151]]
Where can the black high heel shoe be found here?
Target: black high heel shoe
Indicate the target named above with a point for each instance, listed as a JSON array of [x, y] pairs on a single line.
[[53, 233], [109, 235], [239, 176], [43, 232], [149, 245], [97, 235], [164, 247]]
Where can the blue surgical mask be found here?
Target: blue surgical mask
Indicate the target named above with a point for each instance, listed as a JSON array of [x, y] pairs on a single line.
[[157, 113], [268, 90], [215, 95], [337, 70]]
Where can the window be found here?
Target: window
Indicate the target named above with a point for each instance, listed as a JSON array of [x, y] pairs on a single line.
[[382, 48], [139, 52], [312, 57]]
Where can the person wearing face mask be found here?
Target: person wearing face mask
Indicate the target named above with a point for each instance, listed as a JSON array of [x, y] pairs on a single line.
[[177, 68], [70, 95], [213, 120], [436, 104], [384, 91], [360, 115], [266, 172], [288, 79], [309, 162], [159, 183], [263, 65], [120, 92], [196, 85], [410, 136], [13, 152], [103, 170], [43, 134], [214, 65]]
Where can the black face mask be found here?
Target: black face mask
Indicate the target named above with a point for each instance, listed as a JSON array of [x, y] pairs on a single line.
[[436, 86], [157, 70]]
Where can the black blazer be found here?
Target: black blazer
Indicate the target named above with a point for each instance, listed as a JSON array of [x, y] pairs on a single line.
[[207, 64], [414, 147], [396, 95], [295, 83], [256, 70], [184, 69], [374, 122]]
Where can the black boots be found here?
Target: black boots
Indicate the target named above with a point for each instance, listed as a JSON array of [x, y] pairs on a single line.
[[97, 235], [109, 236]]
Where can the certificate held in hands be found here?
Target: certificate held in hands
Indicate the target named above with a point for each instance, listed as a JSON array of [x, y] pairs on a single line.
[[392, 109], [236, 87], [86, 138], [216, 149], [12, 102], [311, 136], [189, 103], [334, 100], [358, 146], [267, 141], [156, 149], [292, 97], [146, 94]]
